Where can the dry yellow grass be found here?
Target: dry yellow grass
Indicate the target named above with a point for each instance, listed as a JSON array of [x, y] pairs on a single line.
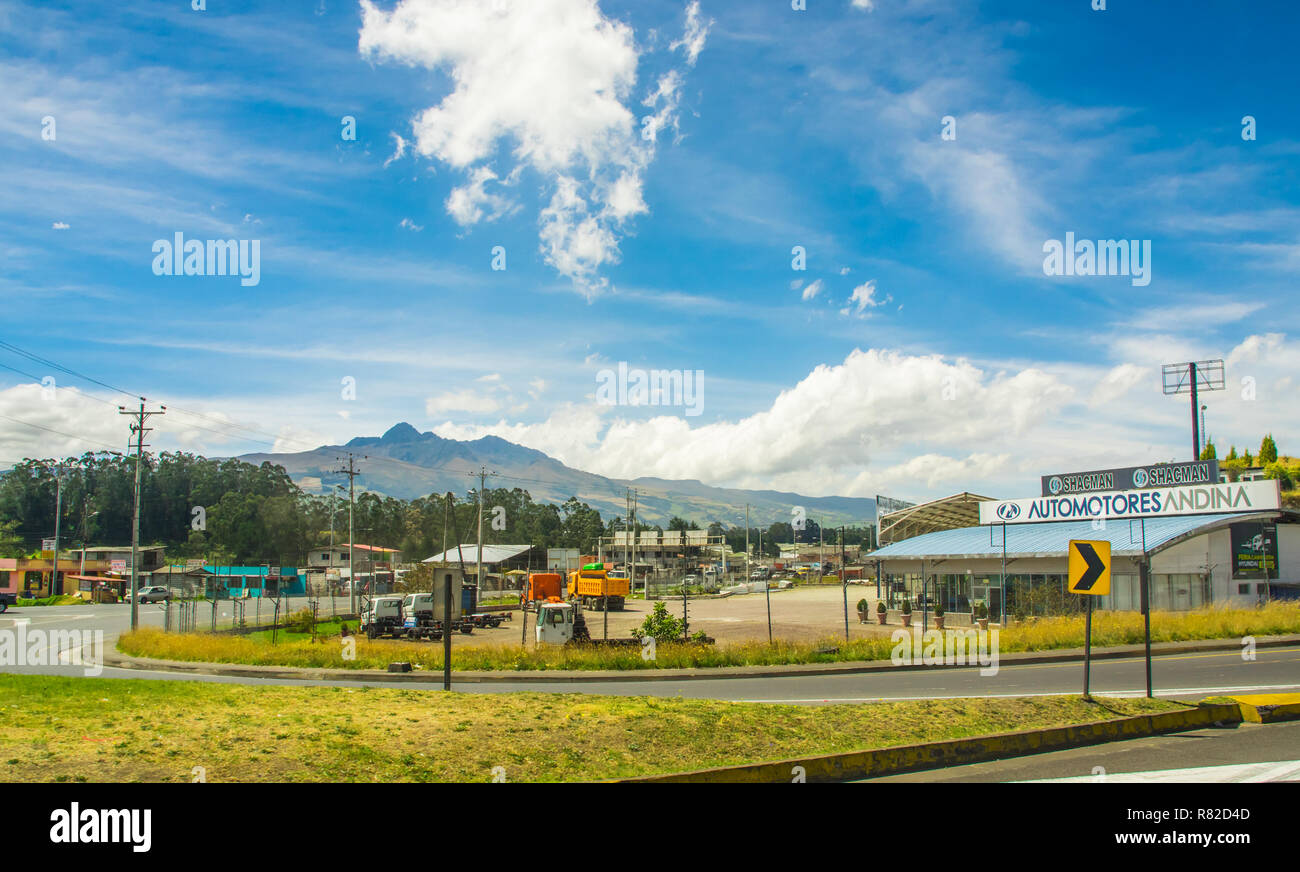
[[1109, 628]]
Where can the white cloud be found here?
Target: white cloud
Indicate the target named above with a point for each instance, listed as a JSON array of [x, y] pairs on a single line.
[[925, 425], [547, 80], [811, 292], [60, 225], [863, 298], [410, 225], [697, 29], [474, 402], [466, 202], [868, 5]]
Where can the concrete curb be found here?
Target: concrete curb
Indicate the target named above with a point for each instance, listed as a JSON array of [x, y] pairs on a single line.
[[855, 765], [1269, 708], [116, 659]]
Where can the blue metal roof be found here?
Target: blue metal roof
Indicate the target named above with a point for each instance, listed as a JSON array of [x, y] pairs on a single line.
[[1052, 539]]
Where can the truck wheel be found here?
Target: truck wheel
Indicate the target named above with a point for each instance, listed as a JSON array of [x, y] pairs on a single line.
[[4, 607], [467, 629]]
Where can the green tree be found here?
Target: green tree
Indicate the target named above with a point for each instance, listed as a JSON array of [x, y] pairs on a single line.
[[1209, 452], [1267, 451]]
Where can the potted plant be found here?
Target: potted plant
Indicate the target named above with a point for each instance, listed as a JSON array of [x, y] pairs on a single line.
[[938, 615], [982, 615], [862, 611], [882, 612], [906, 612]]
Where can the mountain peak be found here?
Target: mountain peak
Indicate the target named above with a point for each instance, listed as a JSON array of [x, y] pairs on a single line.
[[402, 432]]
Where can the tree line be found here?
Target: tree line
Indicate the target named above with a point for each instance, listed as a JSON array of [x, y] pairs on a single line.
[[233, 512]]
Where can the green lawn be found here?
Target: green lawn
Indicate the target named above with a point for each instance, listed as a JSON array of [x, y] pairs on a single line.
[[93, 729]]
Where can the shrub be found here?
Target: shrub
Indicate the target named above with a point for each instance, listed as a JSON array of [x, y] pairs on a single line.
[[659, 624], [907, 607], [863, 604], [881, 608], [938, 610], [301, 621]]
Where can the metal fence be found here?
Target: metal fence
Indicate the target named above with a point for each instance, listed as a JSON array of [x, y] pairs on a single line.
[[192, 614]]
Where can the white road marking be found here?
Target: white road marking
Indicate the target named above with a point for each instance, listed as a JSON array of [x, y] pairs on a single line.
[[1239, 773], [1173, 691]]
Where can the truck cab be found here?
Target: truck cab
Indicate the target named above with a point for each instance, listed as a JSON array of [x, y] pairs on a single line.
[[383, 615], [554, 623], [417, 610]]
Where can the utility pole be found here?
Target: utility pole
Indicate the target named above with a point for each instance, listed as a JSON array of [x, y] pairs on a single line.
[[844, 584], [139, 429], [351, 472], [821, 548], [482, 477], [446, 596], [632, 568], [58, 511], [748, 574]]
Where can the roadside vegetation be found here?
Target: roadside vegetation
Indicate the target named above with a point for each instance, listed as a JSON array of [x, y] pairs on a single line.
[[105, 730], [60, 600], [1109, 628]]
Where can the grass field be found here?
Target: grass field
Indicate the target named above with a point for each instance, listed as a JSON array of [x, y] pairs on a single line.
[[1109, 628], [84, 729]]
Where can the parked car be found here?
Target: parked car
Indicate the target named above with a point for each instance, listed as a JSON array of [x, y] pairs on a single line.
[[152, 593]]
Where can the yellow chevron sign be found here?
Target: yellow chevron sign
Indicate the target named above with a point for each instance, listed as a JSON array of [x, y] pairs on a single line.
[[1089, 567]]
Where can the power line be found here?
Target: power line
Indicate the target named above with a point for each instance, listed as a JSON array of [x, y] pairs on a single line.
[[56, 432], [76, 374]]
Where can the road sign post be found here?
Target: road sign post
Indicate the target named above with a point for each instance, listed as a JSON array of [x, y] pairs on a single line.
[[1089, 575]]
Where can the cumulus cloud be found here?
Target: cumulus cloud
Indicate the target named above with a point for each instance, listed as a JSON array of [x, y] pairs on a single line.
[[925, 425], [542, 84], [872, 407]]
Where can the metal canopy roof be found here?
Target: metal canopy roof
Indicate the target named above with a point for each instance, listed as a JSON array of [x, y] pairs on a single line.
[[958, 510], [1052, 539], [491, 554]]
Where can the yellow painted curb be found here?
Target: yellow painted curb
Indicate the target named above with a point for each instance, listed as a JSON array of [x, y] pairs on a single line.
[[1268, 708], [956, 752]]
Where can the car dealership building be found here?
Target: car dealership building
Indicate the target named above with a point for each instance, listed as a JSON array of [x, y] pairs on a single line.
[[1228, 543]]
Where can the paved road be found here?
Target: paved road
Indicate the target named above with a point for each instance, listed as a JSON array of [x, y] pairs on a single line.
[[1249, 752], [1184, 676]]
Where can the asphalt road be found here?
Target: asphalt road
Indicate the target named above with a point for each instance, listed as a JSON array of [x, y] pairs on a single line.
[[1245, 753], [1183, 676]]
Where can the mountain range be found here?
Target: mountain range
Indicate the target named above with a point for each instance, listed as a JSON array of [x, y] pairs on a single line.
[[407, 464]]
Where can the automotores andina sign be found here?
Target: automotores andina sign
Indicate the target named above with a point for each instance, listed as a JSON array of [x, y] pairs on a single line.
[[1132, 478], [1247, 496]]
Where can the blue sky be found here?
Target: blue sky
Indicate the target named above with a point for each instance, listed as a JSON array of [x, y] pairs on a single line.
[[959, 365]]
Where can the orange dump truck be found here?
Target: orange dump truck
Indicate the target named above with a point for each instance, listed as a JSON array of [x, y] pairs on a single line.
[[595, 587], [544, 587]]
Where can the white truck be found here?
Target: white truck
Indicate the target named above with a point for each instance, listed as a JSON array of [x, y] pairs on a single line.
[[382, 616]]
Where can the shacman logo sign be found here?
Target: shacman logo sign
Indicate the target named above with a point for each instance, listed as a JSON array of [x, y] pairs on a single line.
[[1089, 566], [1249, 496]]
